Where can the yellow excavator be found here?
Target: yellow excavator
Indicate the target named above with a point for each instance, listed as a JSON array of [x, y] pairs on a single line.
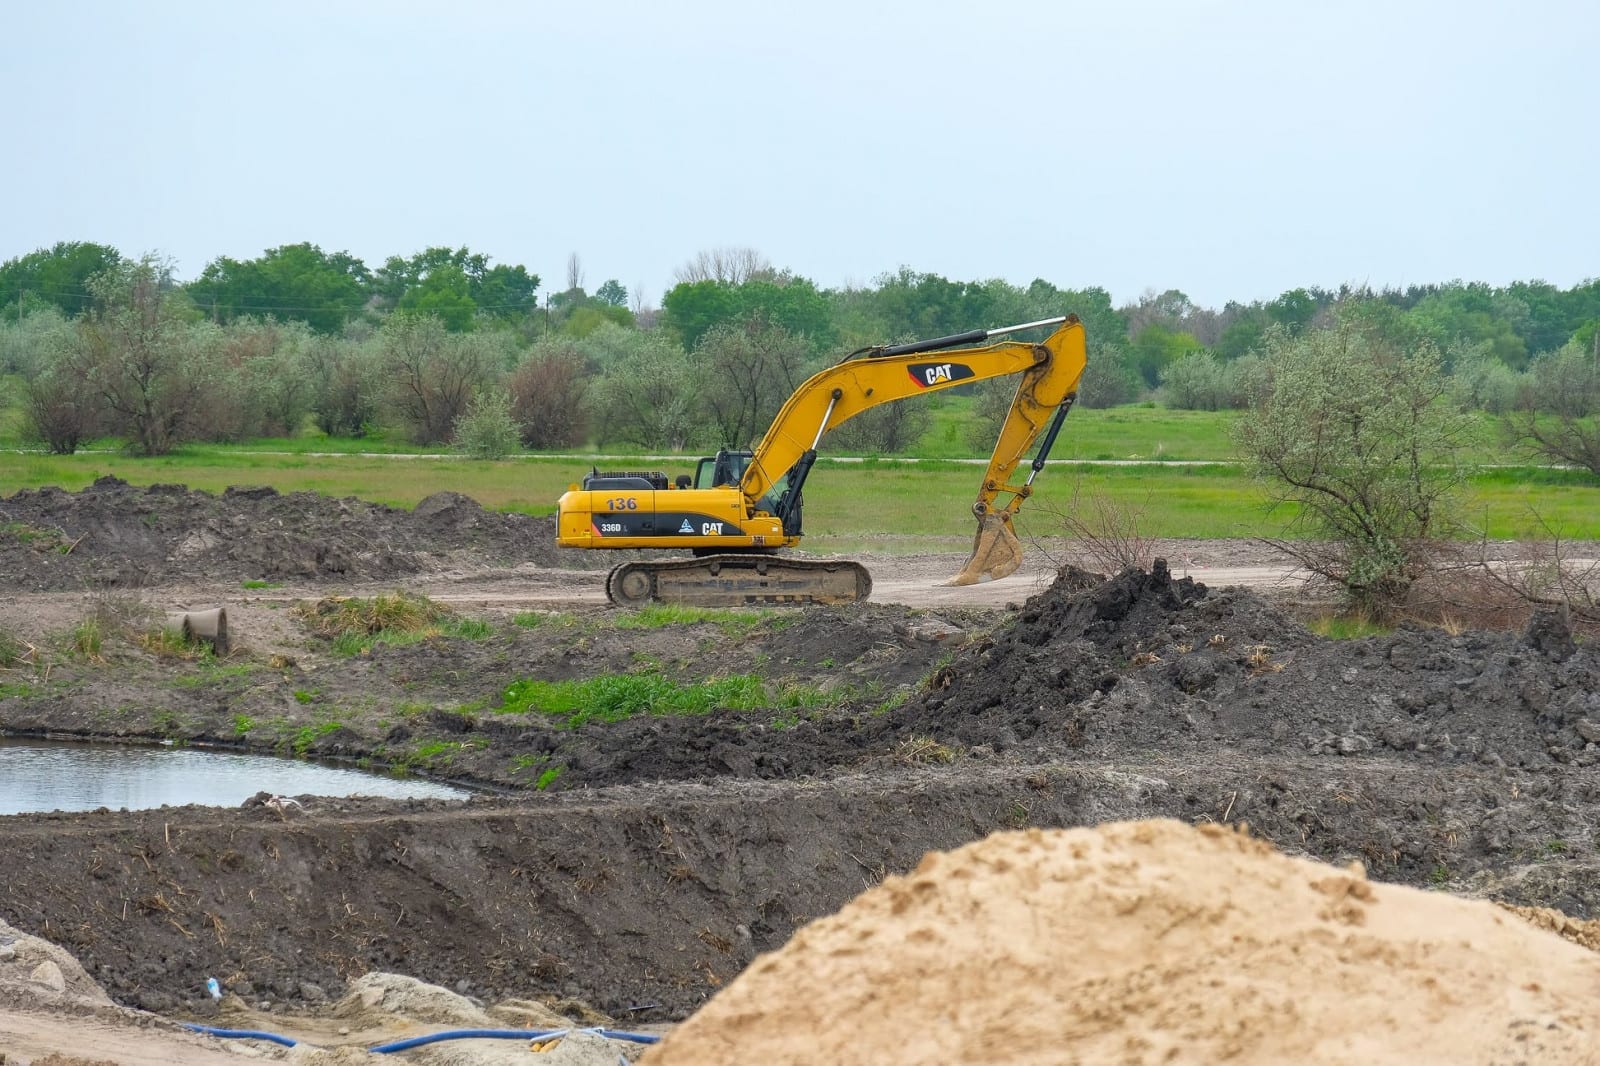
[[740, 507]]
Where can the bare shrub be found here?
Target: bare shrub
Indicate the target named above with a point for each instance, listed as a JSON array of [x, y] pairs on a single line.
[[746, 371], [646, 396], [60, 410], [1459, 598], [1102, 532], [1548, 574], [345, 382], [547, 398], [888, 429], [267, 390], [433, 374]]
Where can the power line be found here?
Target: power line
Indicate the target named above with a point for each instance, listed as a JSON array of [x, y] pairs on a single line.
[[237, 308]]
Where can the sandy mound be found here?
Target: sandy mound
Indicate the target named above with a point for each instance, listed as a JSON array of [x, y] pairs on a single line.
[[1151, 942], [36, 971], [393, 995]]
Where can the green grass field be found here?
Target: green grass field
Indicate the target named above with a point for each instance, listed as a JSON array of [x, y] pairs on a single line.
[[875, 505], [878, 505]]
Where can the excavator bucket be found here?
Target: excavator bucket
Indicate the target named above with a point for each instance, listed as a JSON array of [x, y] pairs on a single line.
[[996, 552]]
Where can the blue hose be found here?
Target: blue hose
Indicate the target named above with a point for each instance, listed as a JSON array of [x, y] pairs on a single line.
[[431, 1038], [507, 1034], [467, 1034], [241, 1034]]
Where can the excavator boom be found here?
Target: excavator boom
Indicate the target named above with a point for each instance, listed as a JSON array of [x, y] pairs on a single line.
[[744, 502]]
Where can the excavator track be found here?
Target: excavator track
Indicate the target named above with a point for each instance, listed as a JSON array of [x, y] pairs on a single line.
[[738, 581]]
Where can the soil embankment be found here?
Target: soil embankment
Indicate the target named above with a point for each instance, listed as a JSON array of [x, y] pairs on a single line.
[[668, 851]]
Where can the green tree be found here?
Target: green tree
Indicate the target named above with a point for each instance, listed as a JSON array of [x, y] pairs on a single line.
[[1294, 310], [153, 369], [444, 293], [1243, 334], [693, 309], [645, 395], [612, 293], [465, 286], [295, 282], [1361, 438], [1459, 313], [1156, 347], [58, 276], [1558, 414]]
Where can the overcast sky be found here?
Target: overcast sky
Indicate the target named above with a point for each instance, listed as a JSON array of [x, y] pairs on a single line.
[[1231, 150]]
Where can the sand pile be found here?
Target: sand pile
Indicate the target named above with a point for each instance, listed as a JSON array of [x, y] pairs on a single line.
[[1152, 942], [35, 971]]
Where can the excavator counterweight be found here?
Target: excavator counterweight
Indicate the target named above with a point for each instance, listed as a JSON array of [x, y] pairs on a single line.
[[740, 508]]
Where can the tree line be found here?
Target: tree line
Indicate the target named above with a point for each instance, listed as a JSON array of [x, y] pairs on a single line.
[[445, 345]]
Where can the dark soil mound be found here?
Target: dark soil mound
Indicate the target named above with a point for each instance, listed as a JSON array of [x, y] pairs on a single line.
[[114, 535], [1146, 663]]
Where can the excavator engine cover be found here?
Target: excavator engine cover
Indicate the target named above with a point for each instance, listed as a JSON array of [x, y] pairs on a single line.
[[996, 552]]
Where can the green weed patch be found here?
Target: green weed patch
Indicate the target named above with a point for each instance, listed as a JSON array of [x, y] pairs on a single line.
[[620, 696], [355, 624]]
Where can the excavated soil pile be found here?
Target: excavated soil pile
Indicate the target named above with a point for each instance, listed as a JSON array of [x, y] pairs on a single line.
[[114, 535], [1151, 942], [1147, 663]]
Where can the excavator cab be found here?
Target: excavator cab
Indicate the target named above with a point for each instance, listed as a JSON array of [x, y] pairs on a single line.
[[724, 468], [728, 467]]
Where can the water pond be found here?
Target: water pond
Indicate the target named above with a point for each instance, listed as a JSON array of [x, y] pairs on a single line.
[[71, 776]]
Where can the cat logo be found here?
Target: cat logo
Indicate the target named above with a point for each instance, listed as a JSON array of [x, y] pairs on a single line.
[[927, 375], [686, 527], [711, 529]]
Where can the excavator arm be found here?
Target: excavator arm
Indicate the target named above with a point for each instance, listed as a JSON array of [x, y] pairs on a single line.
[[1050, 373], [740, 507]]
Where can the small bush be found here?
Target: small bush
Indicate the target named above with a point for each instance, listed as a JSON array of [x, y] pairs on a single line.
[[88, 640], [354, 624], [168, 642], [13, 650], [487, 430], [469, 629]]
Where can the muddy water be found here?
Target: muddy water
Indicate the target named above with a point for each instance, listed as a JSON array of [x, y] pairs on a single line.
[[47, 776]]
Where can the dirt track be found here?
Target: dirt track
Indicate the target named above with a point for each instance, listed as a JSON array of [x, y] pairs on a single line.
[[669, 851]]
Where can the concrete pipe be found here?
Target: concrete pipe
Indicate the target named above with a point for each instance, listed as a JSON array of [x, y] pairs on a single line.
[[209, 626]]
